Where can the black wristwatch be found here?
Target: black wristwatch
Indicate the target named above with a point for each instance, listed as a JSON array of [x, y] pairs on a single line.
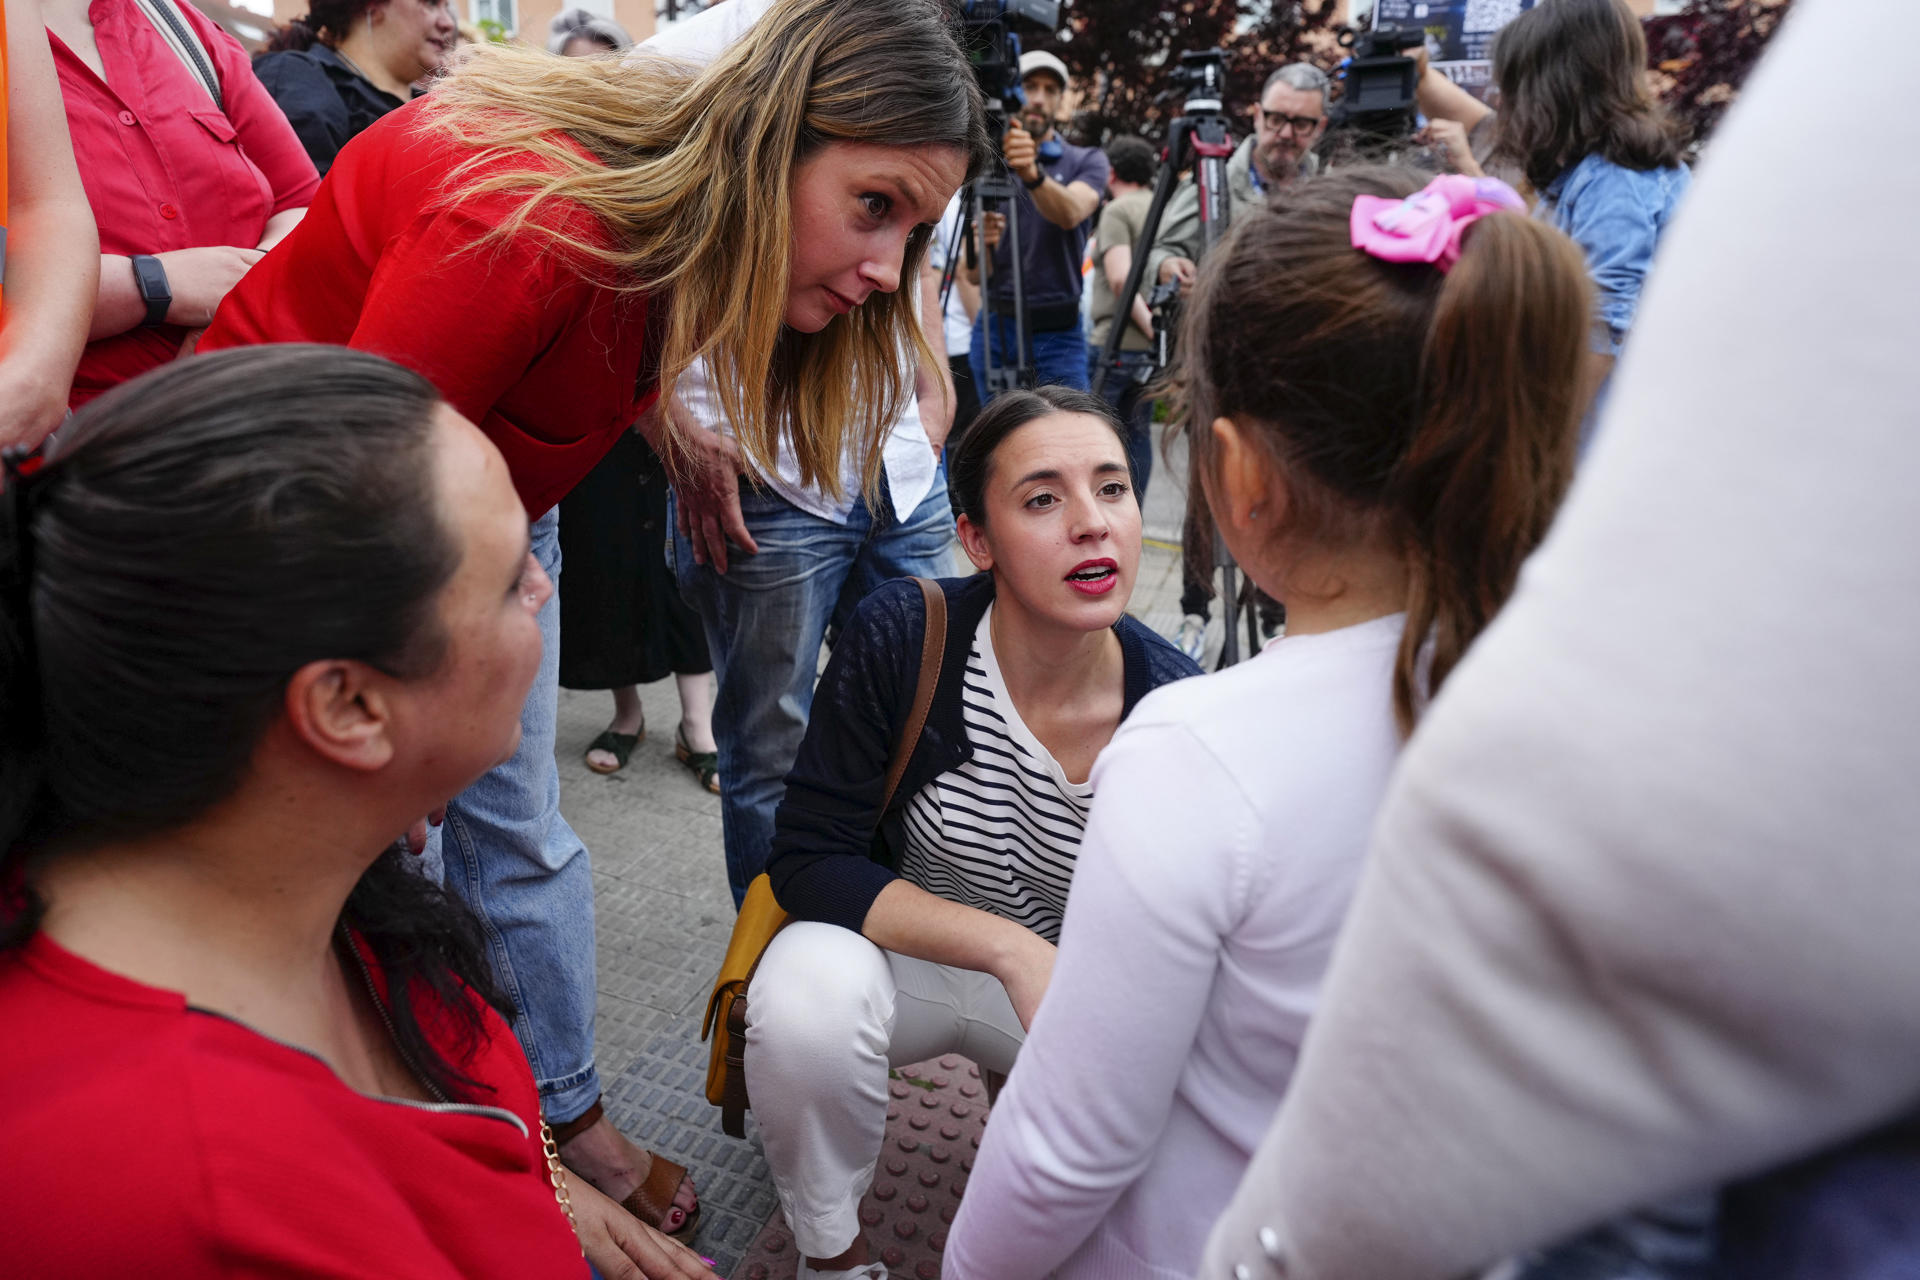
[[151, 277], [1039, 181]]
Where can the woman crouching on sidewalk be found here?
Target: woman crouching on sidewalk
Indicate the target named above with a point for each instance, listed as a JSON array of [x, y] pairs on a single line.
[[927, 926]]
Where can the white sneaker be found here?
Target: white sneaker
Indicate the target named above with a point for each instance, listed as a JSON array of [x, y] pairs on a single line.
[[1191, 638], [868, 1271]]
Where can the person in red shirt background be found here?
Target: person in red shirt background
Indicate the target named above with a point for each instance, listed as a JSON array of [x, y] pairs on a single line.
[[552, 242], [51, 254], [257, 611], [192, 173]]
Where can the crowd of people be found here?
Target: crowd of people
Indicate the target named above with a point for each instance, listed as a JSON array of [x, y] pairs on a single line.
[[1536, 898]]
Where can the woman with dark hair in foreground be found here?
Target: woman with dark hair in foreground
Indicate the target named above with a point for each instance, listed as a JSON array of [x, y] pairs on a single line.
[[257, 613]]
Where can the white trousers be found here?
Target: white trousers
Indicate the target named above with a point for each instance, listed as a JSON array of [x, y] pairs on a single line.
[[827, 1014]]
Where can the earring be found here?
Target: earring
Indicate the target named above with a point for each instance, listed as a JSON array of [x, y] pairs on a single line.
[[1255, 512]]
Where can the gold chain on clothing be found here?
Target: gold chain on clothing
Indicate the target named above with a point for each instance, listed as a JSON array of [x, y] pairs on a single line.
[[557, 1174]]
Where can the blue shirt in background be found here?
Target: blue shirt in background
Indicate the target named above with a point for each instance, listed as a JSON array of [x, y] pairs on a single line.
[[1617, 216], [1050, 256]]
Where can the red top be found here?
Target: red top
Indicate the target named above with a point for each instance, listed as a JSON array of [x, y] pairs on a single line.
[[530, 343], [148, 1138], [164, 168]]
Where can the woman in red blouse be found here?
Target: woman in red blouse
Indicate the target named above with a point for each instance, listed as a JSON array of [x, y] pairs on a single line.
[[187, 191], [256, 613], [551, 242]]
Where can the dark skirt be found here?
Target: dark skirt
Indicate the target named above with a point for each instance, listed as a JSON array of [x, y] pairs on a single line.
[[622, 620]]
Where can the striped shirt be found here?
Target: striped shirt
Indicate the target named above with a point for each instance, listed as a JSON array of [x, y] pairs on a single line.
[[1001, 831]]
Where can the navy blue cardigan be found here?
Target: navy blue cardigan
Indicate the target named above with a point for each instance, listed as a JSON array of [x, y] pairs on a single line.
[[833, 850]]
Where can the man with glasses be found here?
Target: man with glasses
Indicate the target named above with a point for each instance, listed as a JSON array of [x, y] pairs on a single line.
[[1290, 117]]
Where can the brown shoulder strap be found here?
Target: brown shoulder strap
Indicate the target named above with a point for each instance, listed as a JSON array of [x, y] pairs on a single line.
[[933, 648]]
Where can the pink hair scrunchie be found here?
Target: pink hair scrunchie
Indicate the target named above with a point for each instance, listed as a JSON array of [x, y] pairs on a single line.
[[1427, 226]]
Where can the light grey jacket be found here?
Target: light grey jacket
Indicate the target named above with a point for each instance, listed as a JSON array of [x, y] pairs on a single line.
[[1643, 912]]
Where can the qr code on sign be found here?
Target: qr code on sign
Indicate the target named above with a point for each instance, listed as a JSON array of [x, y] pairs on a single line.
[[1489, 15]]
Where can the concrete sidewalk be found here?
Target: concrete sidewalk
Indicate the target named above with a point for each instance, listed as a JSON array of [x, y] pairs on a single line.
[[664, 915]]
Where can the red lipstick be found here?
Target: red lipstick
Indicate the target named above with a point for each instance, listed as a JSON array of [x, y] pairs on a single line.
[[1094, 577]]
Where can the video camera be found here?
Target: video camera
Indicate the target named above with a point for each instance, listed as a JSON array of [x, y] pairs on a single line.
[[994, 49], [1381, 83], [1201, 75]]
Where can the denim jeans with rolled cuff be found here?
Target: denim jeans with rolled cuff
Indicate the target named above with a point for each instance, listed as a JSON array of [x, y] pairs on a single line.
[[506, 851], [766, 618]]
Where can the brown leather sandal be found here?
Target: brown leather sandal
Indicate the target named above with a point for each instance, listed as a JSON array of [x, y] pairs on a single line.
[[652, 1200]]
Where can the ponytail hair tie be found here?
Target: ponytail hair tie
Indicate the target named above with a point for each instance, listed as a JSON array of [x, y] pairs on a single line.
[[1428, 225]]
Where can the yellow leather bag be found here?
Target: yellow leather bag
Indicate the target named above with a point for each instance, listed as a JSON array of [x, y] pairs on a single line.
[[761, 915]]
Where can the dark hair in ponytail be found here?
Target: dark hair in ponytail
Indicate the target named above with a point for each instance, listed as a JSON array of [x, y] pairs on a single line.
[[970, 459], [202, 533], [325, 22], [1438, 409]]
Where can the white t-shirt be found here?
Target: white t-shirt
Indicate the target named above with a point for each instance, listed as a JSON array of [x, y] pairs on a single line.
[[702, 37], [1229, 825], [1000, 832], [959, 329]]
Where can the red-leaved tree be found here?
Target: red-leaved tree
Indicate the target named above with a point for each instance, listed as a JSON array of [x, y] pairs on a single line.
[[1702, 55], [1124, 50]]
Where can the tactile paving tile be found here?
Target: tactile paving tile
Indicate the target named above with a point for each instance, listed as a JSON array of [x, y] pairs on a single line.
[[660, 1101], [935, 1116]]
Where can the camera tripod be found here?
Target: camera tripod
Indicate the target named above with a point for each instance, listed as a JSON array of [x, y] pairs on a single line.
[[1001, 192], [1198, 136]]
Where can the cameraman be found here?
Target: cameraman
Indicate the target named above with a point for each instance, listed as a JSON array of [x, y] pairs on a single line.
[[1063, 185], [1290, 118]]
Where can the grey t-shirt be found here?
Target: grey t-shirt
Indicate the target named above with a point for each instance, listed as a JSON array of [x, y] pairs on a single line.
[[1050, 256], [1120, 225]]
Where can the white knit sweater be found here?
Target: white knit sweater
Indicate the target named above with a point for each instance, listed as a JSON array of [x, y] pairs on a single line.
[[1229, 823]]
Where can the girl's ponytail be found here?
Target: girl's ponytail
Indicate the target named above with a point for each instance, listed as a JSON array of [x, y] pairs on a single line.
[[1493, 449]]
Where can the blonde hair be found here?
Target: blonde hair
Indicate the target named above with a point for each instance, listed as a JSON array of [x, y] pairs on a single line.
[[690, 173]]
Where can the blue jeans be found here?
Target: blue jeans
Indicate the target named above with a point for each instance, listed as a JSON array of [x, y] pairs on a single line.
[[1059, 356], [1126, 391], [507, 851], [766, 618]]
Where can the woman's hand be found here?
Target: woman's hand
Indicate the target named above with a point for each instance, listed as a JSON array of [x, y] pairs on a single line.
[[707, 504], [200, 278], [1025, 972], [31, 404], [621, 1247], [905, 918], [1449, 138]]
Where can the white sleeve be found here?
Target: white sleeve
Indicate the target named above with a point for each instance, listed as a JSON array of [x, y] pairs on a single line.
[[1094, 1082], [706, 35], [1640, 913]]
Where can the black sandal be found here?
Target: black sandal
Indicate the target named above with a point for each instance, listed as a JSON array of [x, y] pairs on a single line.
[[618, 745], [704, 765]]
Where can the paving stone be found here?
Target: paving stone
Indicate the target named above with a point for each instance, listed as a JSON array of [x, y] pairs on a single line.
[[935, 1116]]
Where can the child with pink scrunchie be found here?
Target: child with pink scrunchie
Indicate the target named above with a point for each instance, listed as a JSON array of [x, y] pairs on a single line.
[[1381, 389]]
